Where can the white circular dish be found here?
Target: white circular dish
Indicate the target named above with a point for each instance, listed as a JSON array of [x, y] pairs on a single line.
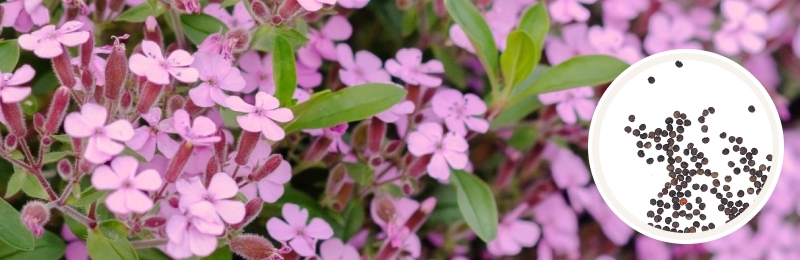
[[704, 80]]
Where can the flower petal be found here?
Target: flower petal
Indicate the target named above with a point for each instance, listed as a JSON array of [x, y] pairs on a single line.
[[231, 211], [222, 186]]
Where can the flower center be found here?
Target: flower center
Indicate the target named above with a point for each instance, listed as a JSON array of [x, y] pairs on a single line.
[[212, 81], [99, 131]]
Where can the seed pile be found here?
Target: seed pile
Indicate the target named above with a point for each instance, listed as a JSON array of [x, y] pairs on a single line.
[[673, 208]]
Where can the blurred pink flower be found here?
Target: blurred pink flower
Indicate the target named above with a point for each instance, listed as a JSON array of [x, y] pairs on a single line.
[[648, 248], [573, 43], [669, 33], [448, 150], [364, 68], [307, 77], [614, 42], [76, 249], [157, 69], [617, 13], [777, 238], [409, 68], [239, 19], [302, 237], [270, 189], [353, 4], [257, 72], [320, 43], [763, 67], [396, 112], [90, 122], [334, 249], [334, 133], [559, 226], [567, 168], [394, 229], [127, 185], [262, 116], [564, 11], [146, 138], [217, 75], [571, 101], [97, 65], [194, 232], [617, 231], [221, 189], [513, 234], [23, 14], [314, 5], [11, 89], [459, 110], [743, 29], [46, 42], [199, 133], [737, 245]]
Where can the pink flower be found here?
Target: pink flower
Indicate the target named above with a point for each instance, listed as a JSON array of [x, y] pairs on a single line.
[[364, 68], [617, 13], [513, 235], [409, 68], [394, 223], [648, 248], [240, 18], [76, 249], [97, 65], [46, 42], [743, 29], [567, 168], [270, 188], [460, 38], [353, 4], [397, 112], [573, 43], [302, 238], [127, 185], [736, 245], [157, 69], [90, 122], [314, 5], [334, 133], [668, 33], [23, 14], [617, 231], [559, 225], [614, 42], [458, 110], [334, 249], [320, 43], [195, 232], [200, 133], [257, 72], [220, 189], [564, 11], [448, 151], [262, 116], [570, 101], [307, 77], [217, 74], [11, 90], [146, 138]]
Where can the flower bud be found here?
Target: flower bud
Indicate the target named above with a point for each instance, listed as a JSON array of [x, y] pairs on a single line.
[[341, 197], [175, 103], [384, 208], [116, 71], [148, 97], [10, 143], [238, 39], [427, 95], [261, 13], [152, 32], [393, 147], [87, 81], [360, 137], [188, 6], [212, 167], [439, 8], [116, 5], [100, 7], [46, 141], [221, 147], [77, 145], [540, 191], [57, 111], [38, 122], [268, 168], [2, 13], [375, 161], [155, 222], [35, 215], [335, 179], [419, 166], [251, 211], [254, 247], [289, 9], [15, 120], [176, 165], [377, 129], [87, 50], [407, 188], [85, 166], [64, 168], [63, 68], [247, 143], [126, 101], [318, 149]]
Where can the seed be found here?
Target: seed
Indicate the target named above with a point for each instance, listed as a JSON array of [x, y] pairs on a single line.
[[641, 154], [731, 139], [659, 211], [711, 225], [740, 193], [642, 127], [739, 140], [679, 64], [764, 178], [660, 203], [660, 157], [729, 195], [725, 151], [721, 207], [743, 160], [687, 122], [649, 160], [702, 206], [705, 139], [631, 118], [677, 159], [738, 203], [651, 214], [651, 135], [727, 211], [643, 136], [672, 134], [679, 121], [711, 109], [675, 224], [639, 144], [688, 206], [695, 186], [676, 206], [658, 146], [714, 175], [701, 119], [689, 216], [751, 163], [730, 163], [653, 202], [704, 128], [683, 116], [758, 191], [704, 161], [722, 135], [757, 184], [705, 112], [754, 151], [672, 193], [745, 205], [628, 129], [751, 109], [728, 178], [703, 188], [636, 132], [736, 170], [769, 157], [715, 183], [700, 155], [657, 219], [675, 214], [668, 220], [753, 178], [651, 80], [734, 211], [684, 165], [680, 138], [683, 201], [679, 129], [762, 167], [676, 114], [726, 187], [668, 120]]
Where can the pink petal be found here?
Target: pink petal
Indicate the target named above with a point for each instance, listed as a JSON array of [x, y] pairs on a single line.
[[48, 49], [120, 130], [236, 103], [726, 43], [269, 191], [310, 5], [94, 155], [271, 130], [266, 101], [378, 76], [326, 48], [106, 145], [180, 58], [734, 9], [137, 201], [478, 124], [202, 244], [585, 108], [167, 145], [474, 105], [394, 68], [419, 144], [250, 122], [152, 50], [201, 96], [456, 160], [231, 211], [427, 80], [203, 126], [139, 64], [104, 178], [222, 186], [438, 167], [566, 112], [309, 57], [28, 41], [232, 81], [21, 76], [344, 55], [157, 75], [282, 115], [300, 245], [337, 28], [184, 74], [294, 215], [218, 96], [74, 39], [455, 125], [432, 130], [124, 167], [148, 180], [192, 188], [319, 229], [432, 66], [332, 249], [76, 250], [751, 43], [526, 233], [116, 202], [279, 230], [14, 94]]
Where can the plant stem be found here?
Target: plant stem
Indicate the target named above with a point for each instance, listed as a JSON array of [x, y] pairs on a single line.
[[174, 22], [35, 169], [148, 243], [88, 221]]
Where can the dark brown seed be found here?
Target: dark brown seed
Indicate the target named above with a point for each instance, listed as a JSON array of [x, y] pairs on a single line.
[[651, 135], [754, 151], [722, 135], [704, 128], [751, 163], [651, 80], [715, 183], [668, 120], [704, 161], [725, 151], [687, 122], [730, 163], [675, 214], [738, 203], [731, 139], [753, 178], [679, 129], [705, 139], [703, 188], [660, 157], [721, 207], [728, 178], [657, 219], [649, 160], [711, 109], [658, 146], [751, 109], [675, 224], [680, 138], [651, 214], [648, 145], [679, 121], [672, 134], [683, 116], [639, 144], [740, 193], [750, 190], [631, 118], [676, 114], [642, 127], [696, 211], [729, 195], [739, 140], [679, 64], [643, 136], [762, 167], [726, 187], [636, 132], [641, 154], [769, 157]]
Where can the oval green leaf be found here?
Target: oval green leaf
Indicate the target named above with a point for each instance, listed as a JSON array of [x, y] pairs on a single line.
[[470, 20], [346, 105], [12, 231], [519, 58], [49, 246], [477, 205], [139, 13], [109, 241], [9, 55], [199, 26], [284, 71], [264, 38], [536, 23]]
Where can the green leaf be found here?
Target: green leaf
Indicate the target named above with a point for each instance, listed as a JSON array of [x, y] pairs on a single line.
[[346, 105], [199, 26], [222, 253], [78, 229], [264, 38], [29, 105], [519, 58], [229, 3], [31, 185], [446, 211], [152, 254], [360, 172], [284, 71], [588, 70], [9, 55], [536, 23], [49, 246], [453, 70], [354, 218], [87, 197], [55, 156], [229, 117], [139, 13], [109, 241], [476, 203], [470, 20], [12, 231], [15, 183], [523, 138], [63, 138]]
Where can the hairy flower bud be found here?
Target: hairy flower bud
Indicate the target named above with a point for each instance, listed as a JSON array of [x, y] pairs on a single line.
[[254, 247], [38, 122], [155, 222], [261, 12], [63, 68], [251, 211], [100, 7], [46, 141], [152, 32], [148, 97], [116, 71], [360, 137], [221, 147], [212, 167], [384, 208], [87, 81], [87, 50], [34, 215], [393, 147], [268, 168], [64, 168], [15, 120], [377, 129], [238, 39], [176, 102], [318, 149], [439, 8], [126, 101], [176, 165], [247, 143], [116, 5], [57, 110], [10, 143], [419, 166], [2, 14]]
